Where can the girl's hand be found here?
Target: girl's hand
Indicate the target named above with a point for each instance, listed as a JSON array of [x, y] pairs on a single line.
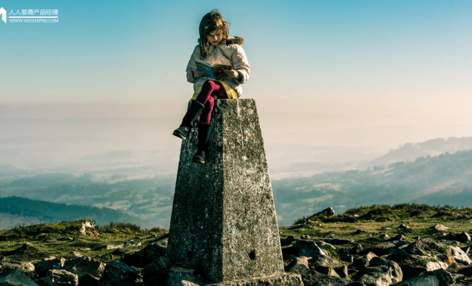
[[198, 73], [232, 73]]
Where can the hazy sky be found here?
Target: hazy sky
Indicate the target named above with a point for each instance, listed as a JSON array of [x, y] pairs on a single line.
[[389, 62]]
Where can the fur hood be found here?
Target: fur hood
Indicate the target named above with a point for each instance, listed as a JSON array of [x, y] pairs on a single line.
[[235, 40]]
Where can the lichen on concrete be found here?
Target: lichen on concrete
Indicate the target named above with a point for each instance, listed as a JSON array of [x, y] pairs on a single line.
[[223, 221]]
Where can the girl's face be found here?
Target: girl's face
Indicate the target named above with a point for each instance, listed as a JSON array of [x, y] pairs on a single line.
[[215, 38]]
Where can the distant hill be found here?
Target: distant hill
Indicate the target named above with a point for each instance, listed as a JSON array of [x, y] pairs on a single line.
[[438, 180], [410, 152], [16, 211]]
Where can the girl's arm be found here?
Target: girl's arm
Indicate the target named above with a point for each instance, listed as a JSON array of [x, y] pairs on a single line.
[[191, 66], [241, 65]]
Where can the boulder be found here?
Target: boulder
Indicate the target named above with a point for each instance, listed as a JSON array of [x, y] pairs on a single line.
[[43, 266], [395, 271], [62, 277], [324, 261], [459, 255], [308, 248], [375, 276], [299, 265], [325, 280], [326, 212], [324, 245], [413, 265], [327, 271], [23, 266], [14, 277], [157, 271], [439, 227], [438, 277], [88, 266], [147, 254], [117, 273], [88, 270]]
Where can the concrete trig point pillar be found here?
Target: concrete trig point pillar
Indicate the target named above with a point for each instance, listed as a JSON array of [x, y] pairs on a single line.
[[223, 222]]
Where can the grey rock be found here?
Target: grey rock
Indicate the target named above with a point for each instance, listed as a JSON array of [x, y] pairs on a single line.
[[89, 280], [412, 265], [460, 256], [43, 266], [369, 256], [324, 245], [308, 248], [123, 245], [326, 212], [430, 278], [14, 277], [88, 270], [435, 265], [24, 266], [384, 248], [395, 272], [375, 276], [439, 227], [283, 279], [330, 281], [299, 265], [157, 271], [327, 271], [58, 277], [179, 276], [148, 254], [223, 215], [422, 247], [117, 273], [325, 261]]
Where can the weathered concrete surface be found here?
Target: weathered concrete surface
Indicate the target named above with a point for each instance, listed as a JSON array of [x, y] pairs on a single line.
[[223, 220]]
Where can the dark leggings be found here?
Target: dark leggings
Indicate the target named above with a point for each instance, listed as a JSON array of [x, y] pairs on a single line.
[[205, 97]]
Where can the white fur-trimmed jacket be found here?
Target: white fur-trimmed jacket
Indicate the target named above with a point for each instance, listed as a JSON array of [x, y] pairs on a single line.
[[226, 52]]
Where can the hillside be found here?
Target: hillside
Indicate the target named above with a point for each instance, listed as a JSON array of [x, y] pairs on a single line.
[[415, 240], [16, 211], [410, 152], [396, 183], [149, 199]]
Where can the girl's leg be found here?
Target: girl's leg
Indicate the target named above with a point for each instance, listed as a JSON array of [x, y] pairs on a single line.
[[205, 97]]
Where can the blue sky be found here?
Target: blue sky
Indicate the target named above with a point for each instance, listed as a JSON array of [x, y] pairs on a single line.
[[314, 51], [372, 74]]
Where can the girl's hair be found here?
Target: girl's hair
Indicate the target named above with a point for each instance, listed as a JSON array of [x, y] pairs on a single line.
[[211, 22]]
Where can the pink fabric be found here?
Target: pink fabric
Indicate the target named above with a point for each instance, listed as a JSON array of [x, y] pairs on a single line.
[[205, 97]]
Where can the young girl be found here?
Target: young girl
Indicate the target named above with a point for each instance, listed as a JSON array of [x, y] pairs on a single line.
[[215, 47]]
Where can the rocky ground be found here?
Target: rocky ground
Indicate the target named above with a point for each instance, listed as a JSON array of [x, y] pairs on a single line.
[[375, 245]]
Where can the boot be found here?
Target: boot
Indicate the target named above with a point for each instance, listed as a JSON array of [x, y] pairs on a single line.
[[192, 114], [203, 143]]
